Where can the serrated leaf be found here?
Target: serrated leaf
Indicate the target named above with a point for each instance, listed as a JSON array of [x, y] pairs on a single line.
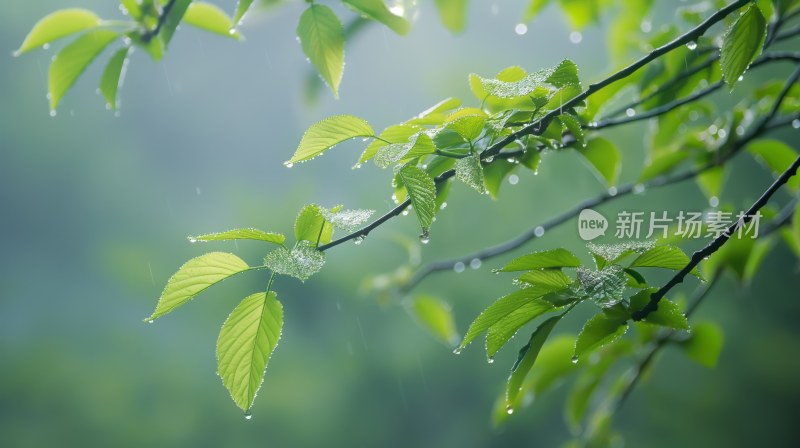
[[494, 173], [311, 225], [666, 315], [502, 308], [564, 74], [469, 127], [303, 261], [599, 331], [705, 343], [604, 157], [322, 38], [527, 357], [400, 133], [328, 133], [436, 316], [113, 76], [531, 85], [211, 18], [453, 14], [552, 278], [418, 145], [240, 234], [667, 257], [503, 330], [347, 220], [603, 287], [73, 59], [574, 127], [377, 10], [777, 156], [742, 43], [57, 25], [195, 276], [247, 339], [470, 171], [174, 18], [554, 258], [242, 6], [422, 192], [613, 253]]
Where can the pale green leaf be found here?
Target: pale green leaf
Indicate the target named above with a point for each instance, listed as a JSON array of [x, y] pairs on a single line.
[[453, 14], [311, 225], [742, 43], [613, 253], [132, 7], [113, 76], [246, 341], [711, 181], [57, 25], [211, 18], [469, 127], [400, 133], [503, 330], [554, 258], [303, 261], [194, 277], [604, 157], [470, 171], [328, 133], [242, 6], [322, 38], [777, 156], [662, 163], [240, 234], [526, 358], [552, 278], [705, 343], [73, 59], [347, 220], [436, 114], [422, 192], [599, 331], [418, 145], [666, 315], [377, 10], [436, 316]]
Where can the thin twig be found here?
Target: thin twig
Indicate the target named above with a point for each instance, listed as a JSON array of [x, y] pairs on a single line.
[[146, 37]]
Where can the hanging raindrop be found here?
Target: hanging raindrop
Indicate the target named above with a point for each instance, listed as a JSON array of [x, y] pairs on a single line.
[[575, 359], [509, 410], [459, 267], [490, 360], [475, 263], [424, 237], [692, 45], [288, 164], [248, 415], [359, 239]]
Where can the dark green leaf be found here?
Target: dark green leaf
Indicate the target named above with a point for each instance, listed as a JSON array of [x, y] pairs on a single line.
[[526, 359], [705, 343], [742, 43], [604, 157], [242, 6], [173, 20], [503, 330], [666, 315], [777, 156], [554, 258], [599, 331]]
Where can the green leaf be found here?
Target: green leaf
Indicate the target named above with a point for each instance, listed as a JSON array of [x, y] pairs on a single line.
[[422, 192], [554, 258], [328, 133], [565, 74], [322, 38], [242, 6], [599, 331], [742, 43], [453, 14], [574, 126], [500, 309], [418, 145], [503, 330], [311, 225], [494, 173], [604, 287], [347, 220], [436, 316], [604, 157], [57, 25], [469, 127], [667, 257], [73, 59], [613, 253], [209, 17], [245, 344], [662, 163], [705, 344], [173, 19], [470, 171], [240, 234], [303, 261], [526, 358], [113, 76], [666, 315], [534, 8], [552, 278], [194, 277], [133, 8], [777, 156], [711, 181], [377, 10], [400, 133], [761, 248]]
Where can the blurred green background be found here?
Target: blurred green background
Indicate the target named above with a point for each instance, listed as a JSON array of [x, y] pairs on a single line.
[[96, 208]]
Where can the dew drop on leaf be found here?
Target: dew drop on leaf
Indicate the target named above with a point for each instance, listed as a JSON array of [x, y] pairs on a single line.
[[248, 415], [405, 213], [509, 410], [575, 359], [490, 360], [288, 164], [424, 237], [490, 159], [457, 351], [443, 206]]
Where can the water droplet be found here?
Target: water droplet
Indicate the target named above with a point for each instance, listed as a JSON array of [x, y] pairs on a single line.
[[46, 46], [509, 410], [394, 198], [796, 123], [513, 179], [288, 164], [490, 159], [405, 213], [692, 45], [592, 124], [713, 129], [646, 26], [357, 166], [612, 191], [630, 112], [443, 206], [713, 201], [740, 130], [638, 189], [521, 29], [575, 359], [459, 267], [457, 351], [192, 239], [722, 133], [741, 77], [538, 231], [359, 239], [575, 37], [53, 113], [512, 160], [424, 237], [149, 321], [475, 263], [248, 415], [490, 360]]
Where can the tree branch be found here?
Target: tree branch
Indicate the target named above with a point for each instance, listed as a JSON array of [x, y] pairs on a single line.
[[146, 37]]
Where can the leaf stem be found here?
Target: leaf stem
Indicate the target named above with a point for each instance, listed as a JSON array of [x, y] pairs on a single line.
[[162, 18]]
